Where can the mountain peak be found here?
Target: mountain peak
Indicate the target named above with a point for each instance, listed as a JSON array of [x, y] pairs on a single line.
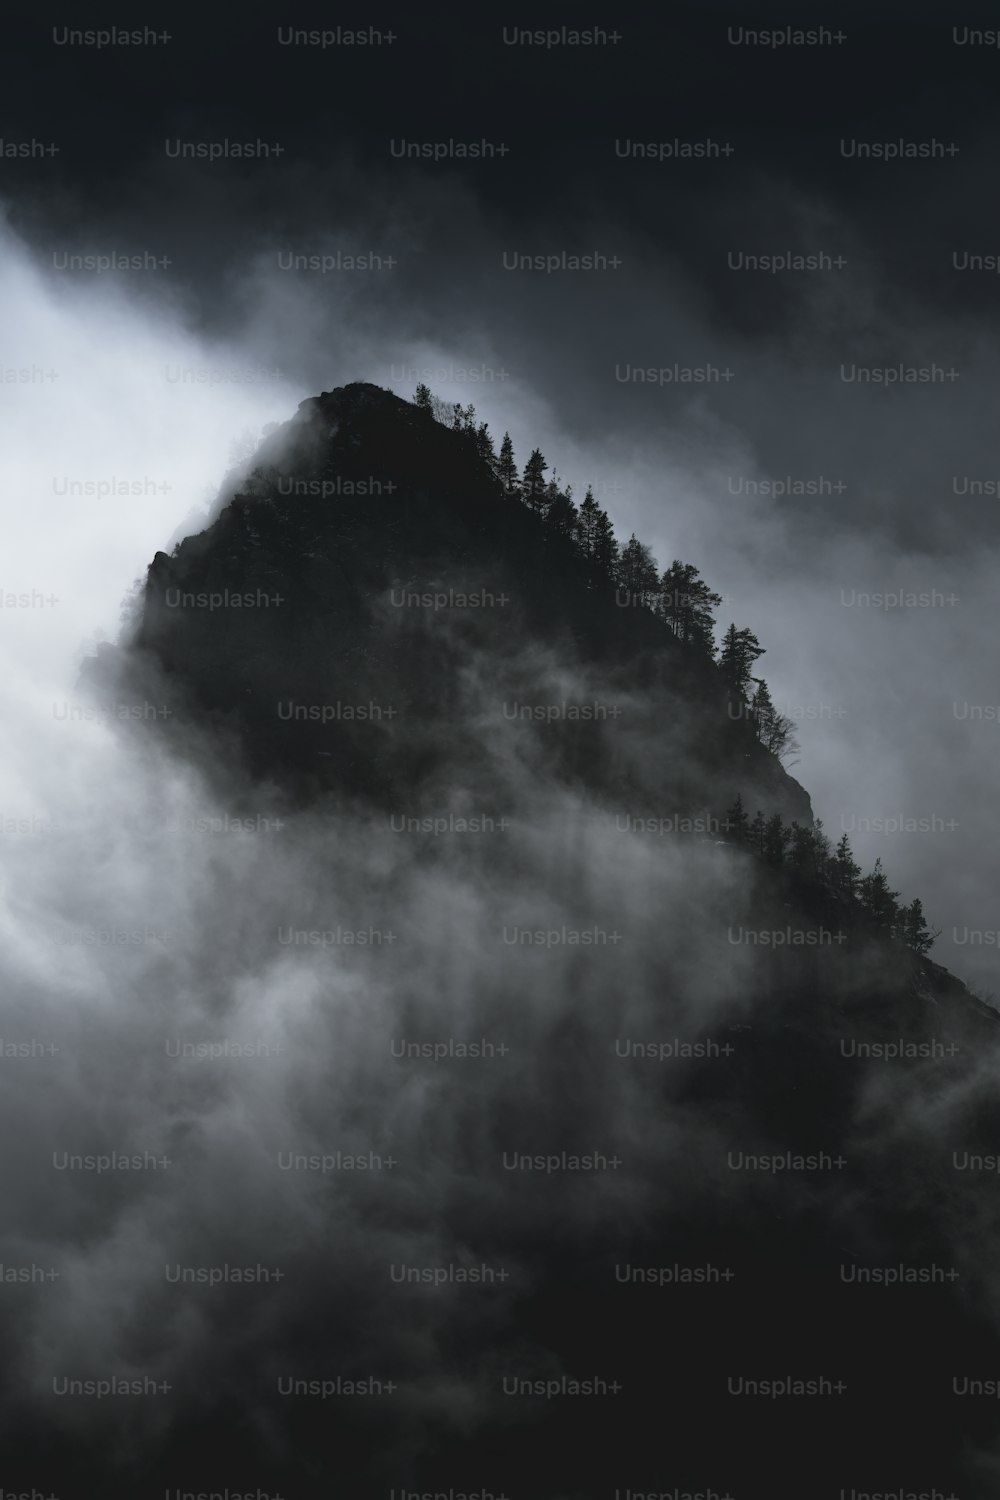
[[374, 556]]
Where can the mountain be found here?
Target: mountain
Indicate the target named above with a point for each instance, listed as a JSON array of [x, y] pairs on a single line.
[[730, 1138], [411, 512]]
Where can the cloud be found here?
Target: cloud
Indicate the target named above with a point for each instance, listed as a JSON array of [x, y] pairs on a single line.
[[132, 927]]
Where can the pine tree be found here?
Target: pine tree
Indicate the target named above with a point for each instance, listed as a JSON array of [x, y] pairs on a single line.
[[484, 445], [776, 838], [914, 930], [762, 710], [740, 649], [686, 604], [422, 398], [775, 731], [844, 872], [533, 482], [605, 554], [878, 900], [822, 844], [637, 574], [562, 514], [803, 852], [586, 526], [758, 832], [737, 823], [458, 414], [506, 467]]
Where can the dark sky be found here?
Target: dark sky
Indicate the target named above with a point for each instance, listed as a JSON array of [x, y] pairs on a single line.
[[880, 692], [559, 110], [797, 487]]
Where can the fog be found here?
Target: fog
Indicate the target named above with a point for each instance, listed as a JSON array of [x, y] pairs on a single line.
[[132, 931], [157, 1007], [156, 1002], [159, 380]]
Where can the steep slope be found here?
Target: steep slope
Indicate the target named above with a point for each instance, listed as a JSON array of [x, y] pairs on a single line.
[[514, 635], [775, 1095]]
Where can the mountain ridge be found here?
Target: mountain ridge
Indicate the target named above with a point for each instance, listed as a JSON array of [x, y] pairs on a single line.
[[441, 524]]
